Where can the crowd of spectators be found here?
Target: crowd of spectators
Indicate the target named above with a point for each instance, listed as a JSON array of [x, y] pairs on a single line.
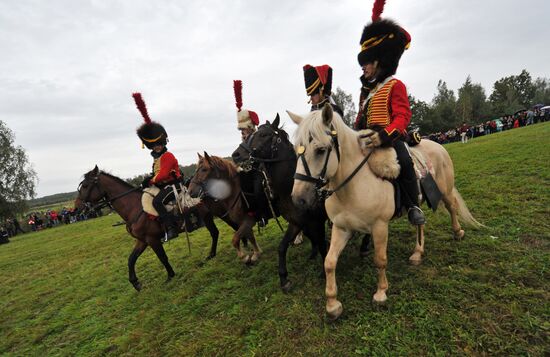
[[507, 122], [36, 221]]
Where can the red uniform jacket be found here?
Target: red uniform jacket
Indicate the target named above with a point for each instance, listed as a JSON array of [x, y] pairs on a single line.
[[387, 109], [165, 169]]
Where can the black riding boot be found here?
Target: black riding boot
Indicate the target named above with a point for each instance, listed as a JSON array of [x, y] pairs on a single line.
[[169, 222], [409, 185], [410, 200]]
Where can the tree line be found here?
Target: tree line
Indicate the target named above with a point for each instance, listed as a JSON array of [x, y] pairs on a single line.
[[471, 105]]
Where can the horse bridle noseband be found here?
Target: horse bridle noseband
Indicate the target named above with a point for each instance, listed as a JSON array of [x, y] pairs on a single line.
[[274, 149], [321, 181]]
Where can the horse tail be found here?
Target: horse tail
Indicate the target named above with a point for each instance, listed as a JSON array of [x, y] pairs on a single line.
[[463, 211]]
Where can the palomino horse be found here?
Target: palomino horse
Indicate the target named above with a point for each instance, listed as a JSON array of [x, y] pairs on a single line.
[[125, 199], [231, 208], [331, 155], [269, 151]]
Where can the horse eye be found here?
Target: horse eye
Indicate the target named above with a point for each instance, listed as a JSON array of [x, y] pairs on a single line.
[[203, 169], [263, 135], [320, 151]]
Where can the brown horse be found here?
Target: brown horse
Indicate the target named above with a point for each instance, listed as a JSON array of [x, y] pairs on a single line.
[[232, 208], [125, 199]]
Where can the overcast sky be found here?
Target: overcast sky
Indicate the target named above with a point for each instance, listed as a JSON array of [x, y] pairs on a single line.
[[68, 68]]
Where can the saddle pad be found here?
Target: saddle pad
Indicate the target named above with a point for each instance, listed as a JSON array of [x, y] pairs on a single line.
[[186, 201], [383, 163], [147, 200]]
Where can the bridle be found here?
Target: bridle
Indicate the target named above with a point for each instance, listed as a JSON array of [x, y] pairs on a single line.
[[321, 181], [253, 159], [104, 200], [203, 193]]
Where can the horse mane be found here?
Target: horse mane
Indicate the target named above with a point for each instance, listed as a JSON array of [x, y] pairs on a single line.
[[279, 129], [115, 178], [312, 128], [222, 165]]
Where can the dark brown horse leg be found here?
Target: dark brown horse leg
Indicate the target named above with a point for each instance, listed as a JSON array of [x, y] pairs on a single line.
[[290, 234], [364, 249], [138, 249], [214, 233], [316, 231], [161, 254]]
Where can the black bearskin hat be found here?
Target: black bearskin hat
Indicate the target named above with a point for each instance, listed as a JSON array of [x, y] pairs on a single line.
[[383, 41], [151, 133], [318, 79]]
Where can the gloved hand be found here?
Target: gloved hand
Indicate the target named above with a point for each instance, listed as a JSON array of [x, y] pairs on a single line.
[[369, 138], [146, 182]]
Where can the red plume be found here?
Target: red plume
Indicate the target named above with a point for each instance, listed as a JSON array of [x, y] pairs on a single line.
[[254, 117], [377, 9], [141, 107], [238, 89]]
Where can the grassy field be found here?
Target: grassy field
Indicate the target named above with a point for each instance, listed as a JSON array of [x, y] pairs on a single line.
[[64, 291]]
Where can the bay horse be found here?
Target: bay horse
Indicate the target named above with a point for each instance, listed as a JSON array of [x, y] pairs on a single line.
[[125, 199], [269, 151], [332, 163], [231, 209]]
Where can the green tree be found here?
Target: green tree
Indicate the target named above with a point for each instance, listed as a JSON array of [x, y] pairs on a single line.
[[17, 177], [345, 102], [512, 93], [472, 106], [542, 91], [420, 115], [442, 115]]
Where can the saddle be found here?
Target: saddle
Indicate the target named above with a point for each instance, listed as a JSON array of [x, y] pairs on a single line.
[[383, 163], [183, 201]]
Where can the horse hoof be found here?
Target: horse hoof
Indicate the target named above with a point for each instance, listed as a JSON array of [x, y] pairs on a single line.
[[334, 312], [210, 256], [286, 287], [459, 235], [137, 285], [379, 299], [247, 260], [415, 259]]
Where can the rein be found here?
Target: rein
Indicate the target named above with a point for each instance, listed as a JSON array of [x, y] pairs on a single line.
[[321, 181]]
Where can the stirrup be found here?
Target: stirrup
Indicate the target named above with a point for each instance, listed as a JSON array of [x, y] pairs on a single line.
[[168, 236], [416, 216]]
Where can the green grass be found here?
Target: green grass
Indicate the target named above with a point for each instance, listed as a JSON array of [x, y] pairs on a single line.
[[64, 291]]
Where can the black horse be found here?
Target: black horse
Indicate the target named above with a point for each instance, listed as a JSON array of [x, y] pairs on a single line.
[[268, 151]]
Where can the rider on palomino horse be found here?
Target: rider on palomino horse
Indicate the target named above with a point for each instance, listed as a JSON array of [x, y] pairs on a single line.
[[247, 121], [318, 81], [384, 110], [165, 171]]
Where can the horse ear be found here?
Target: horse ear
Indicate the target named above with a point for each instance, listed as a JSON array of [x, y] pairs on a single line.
[[95, 171], [295, 117], [276, 121], [206, 156], [268, 123], [199, 155], [327, 114]]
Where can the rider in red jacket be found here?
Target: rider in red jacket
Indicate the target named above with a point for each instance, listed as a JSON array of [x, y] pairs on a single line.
[[384, 111], [165, 171]]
